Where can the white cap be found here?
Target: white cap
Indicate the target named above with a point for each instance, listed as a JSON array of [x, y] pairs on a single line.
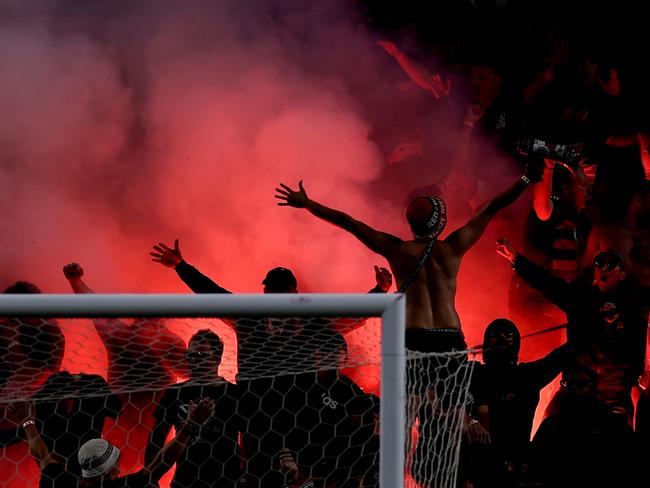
[[97, 457]]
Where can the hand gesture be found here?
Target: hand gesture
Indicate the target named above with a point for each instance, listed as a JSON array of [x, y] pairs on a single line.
[[384, 278], [73, 271], [288, 465], [167, 256], [198, 413], [475, 112], [403, 151], [291, 198], [21, 411], [505, 249], [390, 48], [439, 88], [613, 86]]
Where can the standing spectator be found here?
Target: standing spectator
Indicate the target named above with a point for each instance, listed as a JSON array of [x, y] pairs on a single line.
[[212, 457], [511, 390]]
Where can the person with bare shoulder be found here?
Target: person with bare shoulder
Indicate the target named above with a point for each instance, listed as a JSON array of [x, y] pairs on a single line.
[[425, 268]]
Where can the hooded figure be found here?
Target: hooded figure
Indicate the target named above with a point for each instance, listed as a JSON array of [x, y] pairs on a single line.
[[511, 391], [501, 343]]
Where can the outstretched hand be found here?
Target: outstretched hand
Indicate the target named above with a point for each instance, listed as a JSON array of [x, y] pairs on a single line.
[[505, 249], [384, 278], [292, 198], [439, 88], [167, 256], [73, 271], [199, 412]]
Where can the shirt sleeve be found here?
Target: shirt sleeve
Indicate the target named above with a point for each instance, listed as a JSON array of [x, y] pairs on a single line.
[[197, 281], [556, 290]]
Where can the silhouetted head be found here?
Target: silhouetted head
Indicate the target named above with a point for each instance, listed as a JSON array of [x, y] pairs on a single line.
[[204, 353], [280, 280], [22, 288], [501, 343], [427, 217], [609, 270], [40, 339]]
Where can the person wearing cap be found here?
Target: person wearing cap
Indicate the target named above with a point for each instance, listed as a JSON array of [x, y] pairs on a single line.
[[607, 320], [263, 346]]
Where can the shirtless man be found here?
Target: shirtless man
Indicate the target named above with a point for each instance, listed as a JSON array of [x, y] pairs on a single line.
[[425, 270], [432, 323]]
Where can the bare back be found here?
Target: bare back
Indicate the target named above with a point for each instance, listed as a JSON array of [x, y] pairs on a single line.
[[430, 300]]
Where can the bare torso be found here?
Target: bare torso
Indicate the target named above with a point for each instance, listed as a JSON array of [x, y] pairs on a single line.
[[430, 300]]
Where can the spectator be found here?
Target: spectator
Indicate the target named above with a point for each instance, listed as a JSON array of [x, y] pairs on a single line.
[[511, 390], [70, 409], [607, 321], [212, 457], [30, 349], [583, 443]]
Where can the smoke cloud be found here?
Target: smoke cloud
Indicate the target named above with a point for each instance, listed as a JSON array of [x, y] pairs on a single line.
[[129, 123]]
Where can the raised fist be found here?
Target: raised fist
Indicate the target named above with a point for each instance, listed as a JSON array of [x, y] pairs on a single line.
[[73, 271]]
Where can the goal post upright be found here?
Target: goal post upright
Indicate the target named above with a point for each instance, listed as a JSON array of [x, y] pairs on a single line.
[[389, 307]]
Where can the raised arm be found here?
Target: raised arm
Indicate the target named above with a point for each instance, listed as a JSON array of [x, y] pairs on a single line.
[[555, 289], [73, 272], [169, 454], [23, 414], [384, 280], [542, 192], [425, 79], [192, 277], [379, 242], [463, 239], [108, 329]]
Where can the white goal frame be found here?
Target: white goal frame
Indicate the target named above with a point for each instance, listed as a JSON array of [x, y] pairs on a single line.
[[389, 307]]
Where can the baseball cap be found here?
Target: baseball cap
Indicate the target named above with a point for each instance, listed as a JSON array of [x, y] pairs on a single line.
[[280, 278], [97, 457]]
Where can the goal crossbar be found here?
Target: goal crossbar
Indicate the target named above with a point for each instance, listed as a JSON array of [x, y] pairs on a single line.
[[389, 307]]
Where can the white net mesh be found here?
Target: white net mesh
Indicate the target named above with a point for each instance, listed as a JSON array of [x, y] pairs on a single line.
[[438, 399], [295, 401]]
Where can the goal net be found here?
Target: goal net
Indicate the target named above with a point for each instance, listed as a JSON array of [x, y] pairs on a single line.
[[224, 390]]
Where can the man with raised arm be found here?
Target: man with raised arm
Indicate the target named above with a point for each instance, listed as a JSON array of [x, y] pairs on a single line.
[[424, 267]]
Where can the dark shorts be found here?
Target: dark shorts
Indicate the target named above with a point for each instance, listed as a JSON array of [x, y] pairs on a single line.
[[435, 340]]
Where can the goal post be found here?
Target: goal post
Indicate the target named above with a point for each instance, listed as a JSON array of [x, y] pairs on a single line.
[[390, 308]]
